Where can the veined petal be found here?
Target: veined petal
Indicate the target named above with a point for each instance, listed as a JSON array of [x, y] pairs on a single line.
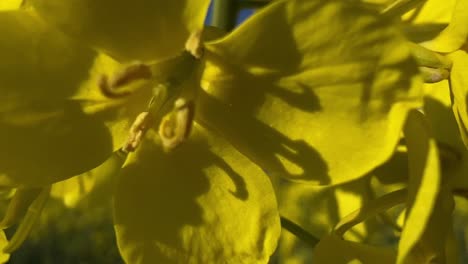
[[325, 104], [128, 30], [459, 89], [46, 133], [203, 202]]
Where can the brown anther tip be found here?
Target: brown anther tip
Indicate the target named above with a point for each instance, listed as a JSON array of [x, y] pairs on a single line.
[[176, 126]]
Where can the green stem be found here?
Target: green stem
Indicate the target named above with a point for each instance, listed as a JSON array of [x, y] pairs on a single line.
[[224, 14], [298, 231]]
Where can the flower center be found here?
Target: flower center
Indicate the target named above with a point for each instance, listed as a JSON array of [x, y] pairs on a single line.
[[170, 104]]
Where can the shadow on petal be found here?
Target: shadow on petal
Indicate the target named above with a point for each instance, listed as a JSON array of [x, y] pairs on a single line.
[[203, 202], [276, 153]]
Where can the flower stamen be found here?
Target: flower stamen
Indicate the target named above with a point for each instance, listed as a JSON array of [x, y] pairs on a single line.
[[136, 133], [176, 126]]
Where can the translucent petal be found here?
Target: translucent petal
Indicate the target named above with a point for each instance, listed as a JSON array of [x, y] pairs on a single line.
[[333, 249], [459, 89], [203, 202], [46, 133], [140, 30], [455, 34], [325, 104], [429, 198]]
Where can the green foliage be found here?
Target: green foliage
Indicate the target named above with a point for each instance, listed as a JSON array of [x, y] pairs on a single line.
[[345, 123]]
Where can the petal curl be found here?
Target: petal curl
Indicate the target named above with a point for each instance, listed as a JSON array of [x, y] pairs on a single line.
[[137, 30], [201, 203], [325, 104]]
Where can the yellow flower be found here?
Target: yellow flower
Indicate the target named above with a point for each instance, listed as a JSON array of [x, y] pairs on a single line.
[[436, 154], [451, 42], [306, 90]]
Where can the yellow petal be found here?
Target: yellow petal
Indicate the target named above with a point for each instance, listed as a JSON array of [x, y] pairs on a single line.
[[4, 257], [438, 110], [324, 104], [380, 204], [395, 170], [203, 202], [456, 33], [10, 4], [136, 30], [459, 89], [429, 199], [432, 12], [96, 185], [47, 134]]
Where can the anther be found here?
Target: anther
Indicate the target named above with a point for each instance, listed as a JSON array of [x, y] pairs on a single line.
[[134, 72], [194, 44], [136, 133], [176, 126]]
